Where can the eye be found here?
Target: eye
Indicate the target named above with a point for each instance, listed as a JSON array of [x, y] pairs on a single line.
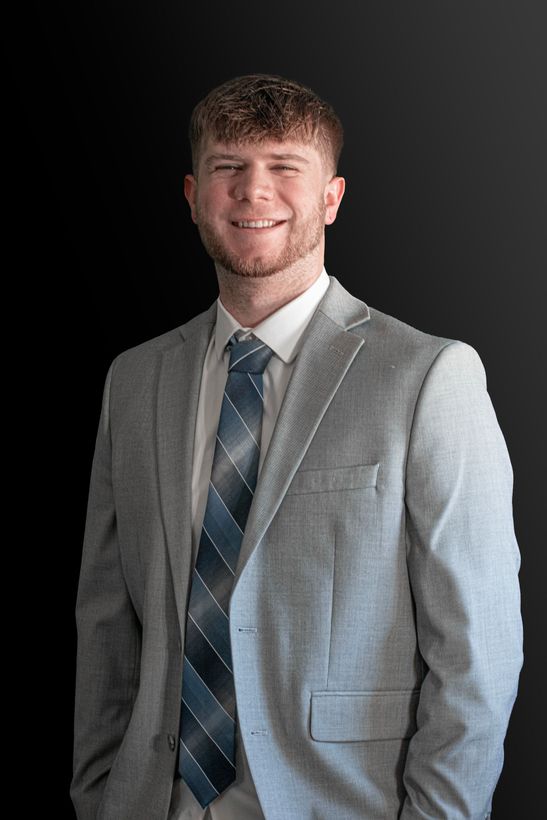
[[238, 168]]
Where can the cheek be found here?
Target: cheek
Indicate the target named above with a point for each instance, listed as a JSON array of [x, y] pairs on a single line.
[[212, 202], [303, 200]]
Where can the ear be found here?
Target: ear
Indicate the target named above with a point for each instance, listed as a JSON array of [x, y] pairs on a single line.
[[333, 196], [190, 192]]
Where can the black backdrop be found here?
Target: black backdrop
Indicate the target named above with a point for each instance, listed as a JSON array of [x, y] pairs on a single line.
[[443, 225]]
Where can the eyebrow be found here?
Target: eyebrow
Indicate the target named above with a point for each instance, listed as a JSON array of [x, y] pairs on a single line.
[[213, 157]]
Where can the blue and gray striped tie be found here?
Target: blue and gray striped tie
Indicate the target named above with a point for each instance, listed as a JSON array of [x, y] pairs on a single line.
[[208, 709]]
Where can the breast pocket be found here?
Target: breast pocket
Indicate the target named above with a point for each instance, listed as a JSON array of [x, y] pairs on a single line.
[[330, 479], [344, 716]]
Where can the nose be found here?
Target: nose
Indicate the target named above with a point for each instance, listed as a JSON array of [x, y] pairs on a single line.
[[252, 184]]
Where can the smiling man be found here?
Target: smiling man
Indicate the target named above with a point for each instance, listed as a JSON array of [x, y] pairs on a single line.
[[299, 594]]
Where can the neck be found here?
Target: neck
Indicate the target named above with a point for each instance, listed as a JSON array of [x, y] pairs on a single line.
[[250, 300]]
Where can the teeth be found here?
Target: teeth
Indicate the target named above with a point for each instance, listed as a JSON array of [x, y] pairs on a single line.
[[263, 223]]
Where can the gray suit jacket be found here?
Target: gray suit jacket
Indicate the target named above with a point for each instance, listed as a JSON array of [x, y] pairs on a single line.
[[375, 619]]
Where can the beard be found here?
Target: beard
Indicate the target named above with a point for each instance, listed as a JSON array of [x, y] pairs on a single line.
[[300, 243]]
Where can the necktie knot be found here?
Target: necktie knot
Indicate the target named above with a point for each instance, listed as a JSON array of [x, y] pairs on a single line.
[[248, 355]]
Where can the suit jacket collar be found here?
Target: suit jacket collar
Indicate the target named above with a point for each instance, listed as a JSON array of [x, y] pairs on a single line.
[[337, 303], [326, 353], [283, 329]]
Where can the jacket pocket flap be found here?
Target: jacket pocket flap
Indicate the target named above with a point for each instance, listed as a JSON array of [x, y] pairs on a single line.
[[340, 716], [334, 478]]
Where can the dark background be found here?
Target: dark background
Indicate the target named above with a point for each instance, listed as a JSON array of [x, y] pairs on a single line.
[[443, 225]]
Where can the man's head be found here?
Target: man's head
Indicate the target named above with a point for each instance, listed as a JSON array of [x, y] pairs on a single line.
[[263, 147]]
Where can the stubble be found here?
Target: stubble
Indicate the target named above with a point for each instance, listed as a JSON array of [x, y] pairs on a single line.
[[301, 242]]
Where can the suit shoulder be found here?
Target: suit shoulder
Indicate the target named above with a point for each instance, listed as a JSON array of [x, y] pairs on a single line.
[[148, 352], [411, 345], [403, 333], [140, 359], [150, 347]]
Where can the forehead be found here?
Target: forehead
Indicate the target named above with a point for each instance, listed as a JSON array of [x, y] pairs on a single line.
[[302, 153]]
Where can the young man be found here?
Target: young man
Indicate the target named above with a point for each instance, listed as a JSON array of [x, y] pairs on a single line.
[[298, 595]]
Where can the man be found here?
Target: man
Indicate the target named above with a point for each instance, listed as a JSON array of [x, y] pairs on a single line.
[[298, 595]]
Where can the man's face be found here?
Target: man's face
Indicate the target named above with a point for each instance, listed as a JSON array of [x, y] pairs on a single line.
[[286, 182]]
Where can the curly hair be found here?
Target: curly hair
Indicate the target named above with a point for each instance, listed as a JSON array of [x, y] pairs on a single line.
[[258, 107]]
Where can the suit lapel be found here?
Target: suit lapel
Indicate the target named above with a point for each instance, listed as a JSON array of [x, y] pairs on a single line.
[[321, 364], [178, 394]]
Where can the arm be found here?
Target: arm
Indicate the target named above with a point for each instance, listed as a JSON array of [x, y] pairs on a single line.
[[463, 565], [108, 636]]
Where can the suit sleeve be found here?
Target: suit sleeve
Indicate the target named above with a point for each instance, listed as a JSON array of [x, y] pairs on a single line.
[[108, 632], [463, 563]]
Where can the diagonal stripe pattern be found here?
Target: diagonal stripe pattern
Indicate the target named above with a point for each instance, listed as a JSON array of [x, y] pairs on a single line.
[[208, 710]]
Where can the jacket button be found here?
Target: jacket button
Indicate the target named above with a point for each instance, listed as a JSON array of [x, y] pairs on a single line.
[[172, 742]]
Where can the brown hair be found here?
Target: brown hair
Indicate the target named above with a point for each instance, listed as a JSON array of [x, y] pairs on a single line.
[[257, 107]]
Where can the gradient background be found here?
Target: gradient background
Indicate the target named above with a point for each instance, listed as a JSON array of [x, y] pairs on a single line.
[[443, 224]]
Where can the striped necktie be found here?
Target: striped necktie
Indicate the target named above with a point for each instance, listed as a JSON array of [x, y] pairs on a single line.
[[208, 710]]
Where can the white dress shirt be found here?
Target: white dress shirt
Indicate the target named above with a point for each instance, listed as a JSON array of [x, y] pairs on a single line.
[[282, 331]]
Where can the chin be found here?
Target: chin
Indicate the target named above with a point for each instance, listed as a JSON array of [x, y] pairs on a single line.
[[251, 268], [251, 272]]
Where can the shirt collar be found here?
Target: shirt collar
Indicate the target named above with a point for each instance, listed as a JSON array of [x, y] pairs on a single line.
[[282, 330]]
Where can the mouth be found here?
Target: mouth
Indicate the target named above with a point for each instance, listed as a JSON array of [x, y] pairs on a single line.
[[259, 224]]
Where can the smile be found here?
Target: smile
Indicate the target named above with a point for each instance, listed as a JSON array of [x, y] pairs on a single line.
[[261, 224]]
